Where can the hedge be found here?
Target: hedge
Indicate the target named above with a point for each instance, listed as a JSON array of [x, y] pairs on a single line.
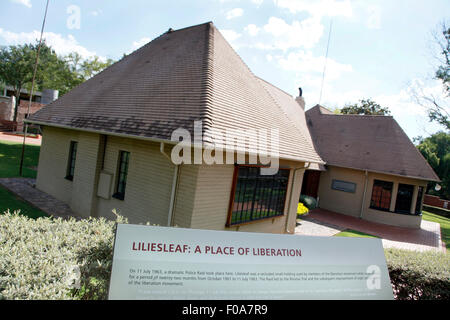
[[67, 259], [54, 258], [419, 275]]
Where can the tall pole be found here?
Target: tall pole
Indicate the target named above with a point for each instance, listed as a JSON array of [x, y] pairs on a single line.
[[326, 60], [32, 89]]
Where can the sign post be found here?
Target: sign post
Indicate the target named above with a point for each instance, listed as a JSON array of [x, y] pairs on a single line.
[[173, 263]]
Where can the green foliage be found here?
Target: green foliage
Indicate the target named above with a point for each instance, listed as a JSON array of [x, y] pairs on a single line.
[[308, 201], [365, 107], [54, 258], [62, 73], [419, 275], [436, 150]]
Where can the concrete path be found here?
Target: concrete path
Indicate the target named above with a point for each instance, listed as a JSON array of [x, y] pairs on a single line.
[[321, 222], [24, 188], [19, 139]]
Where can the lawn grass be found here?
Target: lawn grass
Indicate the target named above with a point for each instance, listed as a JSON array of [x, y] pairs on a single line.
[[354, 233], [10, 153], [445, 225], [10, 201]]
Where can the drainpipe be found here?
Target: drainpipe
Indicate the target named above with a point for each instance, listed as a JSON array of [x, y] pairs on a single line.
[[364, 194], [292, 190], [174, 187]]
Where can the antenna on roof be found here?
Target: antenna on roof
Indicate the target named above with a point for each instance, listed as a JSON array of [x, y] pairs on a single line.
[[326, 60]]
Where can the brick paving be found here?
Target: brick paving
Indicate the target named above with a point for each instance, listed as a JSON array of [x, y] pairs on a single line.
[[321, 222], [24, 188]]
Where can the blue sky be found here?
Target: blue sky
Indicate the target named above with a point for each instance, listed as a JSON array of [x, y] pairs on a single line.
[[379, 49]]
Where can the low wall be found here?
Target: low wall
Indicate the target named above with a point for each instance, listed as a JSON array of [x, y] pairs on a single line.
[[435, 201]]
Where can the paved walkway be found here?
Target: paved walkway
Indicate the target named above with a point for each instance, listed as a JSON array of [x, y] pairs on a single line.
[[24, 188], [321, 222], [19, 138]]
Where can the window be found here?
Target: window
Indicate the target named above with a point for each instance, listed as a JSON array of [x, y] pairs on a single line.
[[255, 196], [419, 201], [343, 186], [404, 198], [122, 173], [381, 195], [71, 163]]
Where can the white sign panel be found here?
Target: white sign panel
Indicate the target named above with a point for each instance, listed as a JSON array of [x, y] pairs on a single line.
[[173, 263]]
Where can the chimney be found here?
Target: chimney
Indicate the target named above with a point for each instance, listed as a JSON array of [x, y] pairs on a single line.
[[300, 100], [49, 95]]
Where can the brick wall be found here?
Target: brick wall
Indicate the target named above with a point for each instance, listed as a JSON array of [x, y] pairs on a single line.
[[436, 202]]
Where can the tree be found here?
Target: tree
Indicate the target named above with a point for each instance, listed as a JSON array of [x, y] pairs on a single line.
[[438, 110], [16, 68], [61, 73], [365, 107], [436, 150]]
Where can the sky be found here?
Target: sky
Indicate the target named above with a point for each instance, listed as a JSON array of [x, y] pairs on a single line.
[[382, 50]]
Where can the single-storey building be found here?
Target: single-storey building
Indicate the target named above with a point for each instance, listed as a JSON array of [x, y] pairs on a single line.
[[107, 144], [372, 171]]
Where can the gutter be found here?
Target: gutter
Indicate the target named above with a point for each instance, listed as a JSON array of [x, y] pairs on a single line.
[[366, 173], [174, 187], [292, 190], [157, 140]]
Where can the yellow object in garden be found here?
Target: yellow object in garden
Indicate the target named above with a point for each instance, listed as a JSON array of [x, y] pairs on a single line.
[[301, 209]]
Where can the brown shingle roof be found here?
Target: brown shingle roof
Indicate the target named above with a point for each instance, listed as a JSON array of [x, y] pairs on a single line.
[[182, 76], [373, 143]]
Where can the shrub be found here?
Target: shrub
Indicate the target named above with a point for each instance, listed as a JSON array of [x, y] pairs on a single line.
[[419, 275], [54, 258], [68, 259], [308, 201], [301, 209]]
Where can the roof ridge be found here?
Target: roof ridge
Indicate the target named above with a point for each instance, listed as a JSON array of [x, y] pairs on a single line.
[[358, 115], [285, 114], [271, 84], [208, 99]]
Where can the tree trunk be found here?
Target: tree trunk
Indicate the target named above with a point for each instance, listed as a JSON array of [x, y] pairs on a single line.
[[16, 107]]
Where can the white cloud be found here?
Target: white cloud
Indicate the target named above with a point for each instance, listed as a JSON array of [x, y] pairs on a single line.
[[257, 2], [285, 36], [374, 19], [137, 44], [404, 103], [62, 45], [26, 3], [318, 8], [234, 13], [305, 62], [96, 13], [252, 30], [230, 35]]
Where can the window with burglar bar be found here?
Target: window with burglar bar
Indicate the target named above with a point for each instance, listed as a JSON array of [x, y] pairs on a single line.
[[72, 158], [257, 196], [124, 158], [381, 195]]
